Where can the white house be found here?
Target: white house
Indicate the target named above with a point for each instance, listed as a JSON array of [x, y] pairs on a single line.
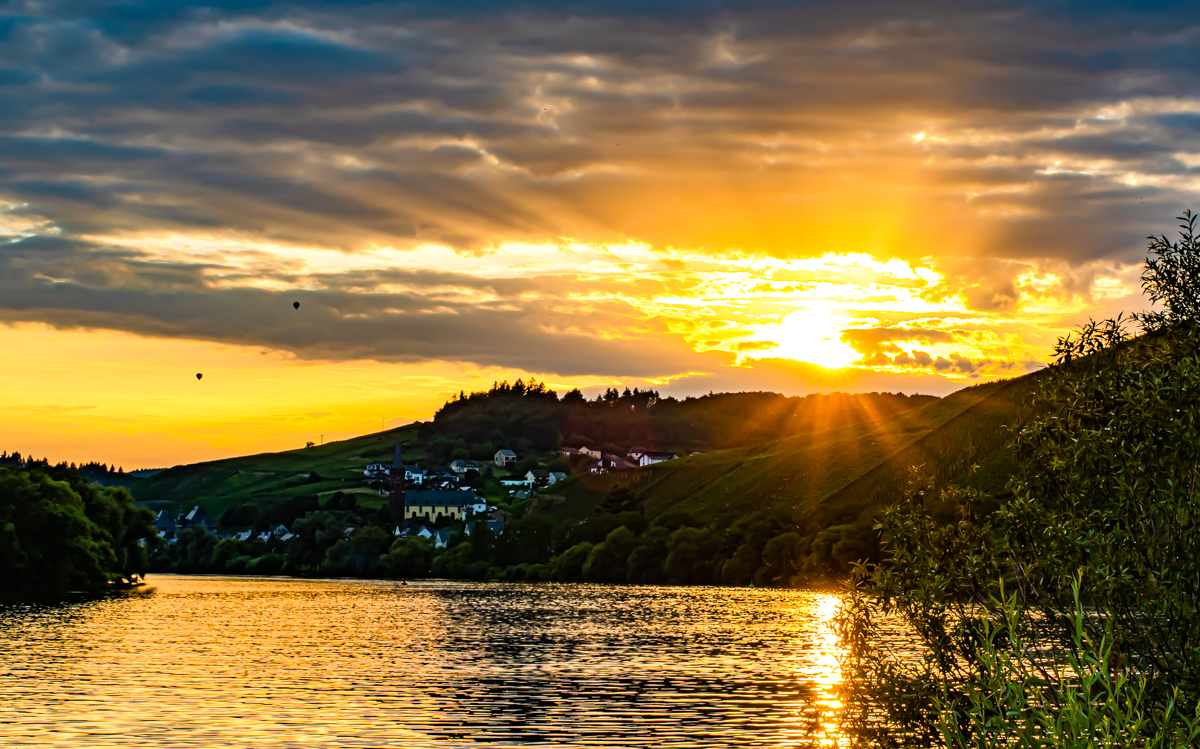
[[556, 476], [537, 477], [462, 466], [636, 452], [414, 474], [480, 506], [649, 459], [588, 450], [377, 470], [504, 457], [513, 481]]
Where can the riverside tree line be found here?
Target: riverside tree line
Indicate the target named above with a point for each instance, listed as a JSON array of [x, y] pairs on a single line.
[[609, 547]]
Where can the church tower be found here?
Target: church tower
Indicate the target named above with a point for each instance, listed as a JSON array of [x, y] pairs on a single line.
[[396, 486]]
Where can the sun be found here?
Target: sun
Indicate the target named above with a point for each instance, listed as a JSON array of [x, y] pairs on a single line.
[[813, 335]]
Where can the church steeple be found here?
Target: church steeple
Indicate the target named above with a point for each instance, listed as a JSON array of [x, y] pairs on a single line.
[[396, 486]]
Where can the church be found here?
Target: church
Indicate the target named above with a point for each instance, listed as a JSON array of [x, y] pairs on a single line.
[[429, 505]]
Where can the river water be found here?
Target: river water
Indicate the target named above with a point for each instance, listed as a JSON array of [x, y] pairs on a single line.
[[269, 662]]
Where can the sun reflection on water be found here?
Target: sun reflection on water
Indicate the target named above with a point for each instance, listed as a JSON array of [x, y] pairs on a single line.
[[238, 662]]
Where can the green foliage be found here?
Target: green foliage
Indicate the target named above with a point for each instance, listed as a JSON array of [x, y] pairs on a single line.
[[607, 562], [409, 557], [1172, 276], [58, 532], [528, 417], [1066, 615]]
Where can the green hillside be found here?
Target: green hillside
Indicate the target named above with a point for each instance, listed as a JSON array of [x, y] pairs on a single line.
[[533, 421], [278, 478], [786, 511], [823, 485]]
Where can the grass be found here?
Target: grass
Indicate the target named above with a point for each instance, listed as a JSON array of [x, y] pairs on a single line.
[[221, 484], [825, 476]]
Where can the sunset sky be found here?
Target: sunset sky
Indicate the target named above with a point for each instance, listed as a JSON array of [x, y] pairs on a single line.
[[694, 196]]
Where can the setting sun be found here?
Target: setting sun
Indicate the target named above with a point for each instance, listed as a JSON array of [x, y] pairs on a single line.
[[813, 335]]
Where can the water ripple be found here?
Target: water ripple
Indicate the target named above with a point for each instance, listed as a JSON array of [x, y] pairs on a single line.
[[263, 662]]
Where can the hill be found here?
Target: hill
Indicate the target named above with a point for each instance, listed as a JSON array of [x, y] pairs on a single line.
[[790, 510], [530, 418], [824, 486], [283, 485]]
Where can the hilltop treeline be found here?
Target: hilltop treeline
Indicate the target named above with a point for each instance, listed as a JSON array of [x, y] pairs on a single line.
[[529, 417]]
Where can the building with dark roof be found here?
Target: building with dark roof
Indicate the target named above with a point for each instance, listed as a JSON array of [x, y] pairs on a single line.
[[432, 504]]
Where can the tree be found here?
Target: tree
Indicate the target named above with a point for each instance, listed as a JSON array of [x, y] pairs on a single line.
[[1069, 613], [1172, 276], [315, 534], [58, 532]]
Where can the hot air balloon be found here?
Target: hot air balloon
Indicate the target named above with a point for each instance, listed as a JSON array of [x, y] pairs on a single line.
[[295, 305], [199, 375]]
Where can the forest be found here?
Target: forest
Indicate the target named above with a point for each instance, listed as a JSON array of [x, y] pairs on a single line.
[[529, 417]]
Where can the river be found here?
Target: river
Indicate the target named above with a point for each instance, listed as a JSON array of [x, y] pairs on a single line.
[[276, 662]]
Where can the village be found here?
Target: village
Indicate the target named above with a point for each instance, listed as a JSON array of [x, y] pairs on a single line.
[[432, 502]]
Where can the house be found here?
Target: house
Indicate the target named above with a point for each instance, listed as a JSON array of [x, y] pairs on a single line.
[[462, 466], [197, 518], [649, 459], [513, 481], [494, 525], [164, 524], [244, 535], [480, 507], [504, 457], [440, 478], [431, 504], [592, 451], [410, 529], [568, 451], [610, 462], [377, 470], [555, 477], [694, 452], [414, 474], [442, 538], [538, 477], [636, 452]]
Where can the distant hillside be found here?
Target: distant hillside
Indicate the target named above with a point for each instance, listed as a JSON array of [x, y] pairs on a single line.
[[826, 485], [291, 480], [792, 498], [531, 418]]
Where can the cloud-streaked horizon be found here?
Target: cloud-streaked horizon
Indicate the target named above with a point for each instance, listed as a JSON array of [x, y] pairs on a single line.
[[702, 196]]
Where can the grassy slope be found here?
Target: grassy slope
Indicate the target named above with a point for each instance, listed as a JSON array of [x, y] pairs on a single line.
[[221, 484], [828, 476], [823, 477]]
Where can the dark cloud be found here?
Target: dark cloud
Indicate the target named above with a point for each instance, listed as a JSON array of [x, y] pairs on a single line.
[[702, 124], [70, 284]]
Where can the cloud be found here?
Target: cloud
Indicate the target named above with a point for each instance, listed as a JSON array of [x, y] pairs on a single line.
[[1018, 152]]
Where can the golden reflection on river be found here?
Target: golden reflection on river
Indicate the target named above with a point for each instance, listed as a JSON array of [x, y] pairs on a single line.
[[254, 662]]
